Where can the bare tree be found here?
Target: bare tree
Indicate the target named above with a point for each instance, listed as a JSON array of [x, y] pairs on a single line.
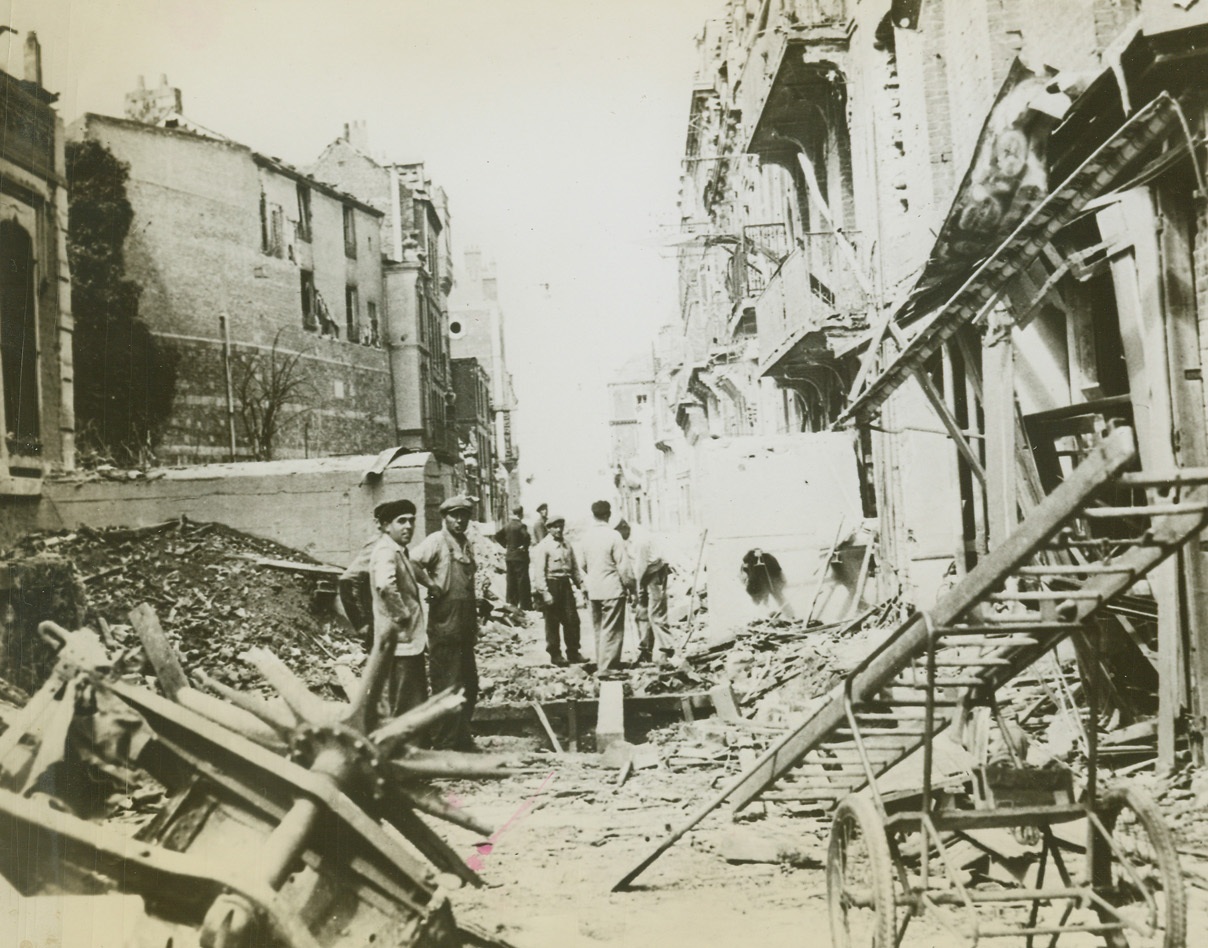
[[272, 391]]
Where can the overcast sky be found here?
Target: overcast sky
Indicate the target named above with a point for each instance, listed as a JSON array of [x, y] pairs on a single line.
[[555, 126]]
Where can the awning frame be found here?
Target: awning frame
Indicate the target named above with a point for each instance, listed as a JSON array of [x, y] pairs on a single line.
[[988, 281]]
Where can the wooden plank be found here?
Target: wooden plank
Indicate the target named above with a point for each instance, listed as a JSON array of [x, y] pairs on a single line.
[[1136, 278], [954, 431], [1191, 439], [164, 660], [998, 364], [549, 731]]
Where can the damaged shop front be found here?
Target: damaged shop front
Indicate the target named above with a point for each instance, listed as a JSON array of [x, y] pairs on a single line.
[[1059, 303]]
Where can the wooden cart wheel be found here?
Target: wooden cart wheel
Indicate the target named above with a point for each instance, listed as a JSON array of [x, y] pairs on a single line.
[[859, 878], [1138, 829]]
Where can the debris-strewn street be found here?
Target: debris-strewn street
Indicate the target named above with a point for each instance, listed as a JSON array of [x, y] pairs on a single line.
[[632, 474]]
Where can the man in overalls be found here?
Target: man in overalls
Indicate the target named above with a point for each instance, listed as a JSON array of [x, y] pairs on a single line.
[[448, 559]]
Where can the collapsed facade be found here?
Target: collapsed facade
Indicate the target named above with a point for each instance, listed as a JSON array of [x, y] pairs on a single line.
[[965, 240], [37, 414]]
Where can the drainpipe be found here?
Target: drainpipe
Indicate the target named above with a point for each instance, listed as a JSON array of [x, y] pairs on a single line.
[[230, 387]]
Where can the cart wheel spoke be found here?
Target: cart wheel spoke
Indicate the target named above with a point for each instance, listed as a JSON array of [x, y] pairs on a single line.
[[1150, 898], [859, 877]]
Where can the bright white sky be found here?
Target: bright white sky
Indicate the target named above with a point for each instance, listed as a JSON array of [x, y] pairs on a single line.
[[555, 126]]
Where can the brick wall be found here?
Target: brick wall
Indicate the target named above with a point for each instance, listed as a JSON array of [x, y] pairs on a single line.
[[197, 248], [343, 403]]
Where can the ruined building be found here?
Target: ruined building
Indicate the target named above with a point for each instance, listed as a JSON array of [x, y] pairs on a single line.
[[929, 252], [417, 273], [476, 334], [308, 318], [36, 411]]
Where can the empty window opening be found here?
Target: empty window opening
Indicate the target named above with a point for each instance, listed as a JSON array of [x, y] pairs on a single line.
[[350, 232], [352, 314], [18, 339], [310, 319]]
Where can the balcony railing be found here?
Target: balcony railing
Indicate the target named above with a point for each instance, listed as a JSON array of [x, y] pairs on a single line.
[[817, 287]]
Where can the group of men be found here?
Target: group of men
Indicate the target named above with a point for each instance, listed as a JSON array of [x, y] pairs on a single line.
[[619, 566], [436, 648], [381, 594]]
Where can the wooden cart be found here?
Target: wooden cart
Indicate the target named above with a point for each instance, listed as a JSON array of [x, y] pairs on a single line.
[[1090, 541]]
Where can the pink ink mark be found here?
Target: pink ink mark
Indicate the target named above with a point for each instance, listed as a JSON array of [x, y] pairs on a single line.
[[454, 800], [486, 847]]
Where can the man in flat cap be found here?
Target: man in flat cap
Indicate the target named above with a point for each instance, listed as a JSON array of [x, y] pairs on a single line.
[[555, 579], [448, 559], [398, 612]]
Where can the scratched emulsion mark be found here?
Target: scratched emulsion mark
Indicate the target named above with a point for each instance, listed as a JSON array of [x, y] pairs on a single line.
[[486, 847]]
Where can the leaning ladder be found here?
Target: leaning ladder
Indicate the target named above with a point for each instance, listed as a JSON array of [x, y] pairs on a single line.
[[964, 649]]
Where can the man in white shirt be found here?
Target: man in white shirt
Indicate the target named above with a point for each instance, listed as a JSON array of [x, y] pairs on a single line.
[[608, 578], [650, 569], [398, 612]]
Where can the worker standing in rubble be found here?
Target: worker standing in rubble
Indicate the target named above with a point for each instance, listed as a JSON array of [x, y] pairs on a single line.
[[650, 571], [398, 612], [356, 593], [555, 581], [541, 524], [514, 538], [609, 579], [448, 560]]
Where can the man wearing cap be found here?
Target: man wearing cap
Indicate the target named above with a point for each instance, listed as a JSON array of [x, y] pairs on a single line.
[[609, 578], [555, 579], [650, 569], [541, 524], [398, 613], [448, 559], [514, 538]]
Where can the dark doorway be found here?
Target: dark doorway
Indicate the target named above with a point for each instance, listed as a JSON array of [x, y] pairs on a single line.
[[18, 338]]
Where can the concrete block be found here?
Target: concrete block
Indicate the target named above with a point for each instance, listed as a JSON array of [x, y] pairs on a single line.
[[610, 722]]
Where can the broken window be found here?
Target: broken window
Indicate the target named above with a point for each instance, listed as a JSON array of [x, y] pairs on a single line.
[[272, 228], [352, 314], [304, 232], [375, 338], [18, 340], [310, 320], [350, 232]]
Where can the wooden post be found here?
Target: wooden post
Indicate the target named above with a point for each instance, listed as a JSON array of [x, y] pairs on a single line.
[[998, 366], [1190, 438], [1137, 278]]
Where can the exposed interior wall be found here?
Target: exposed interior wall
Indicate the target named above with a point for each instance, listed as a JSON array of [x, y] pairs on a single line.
[[787, 496]]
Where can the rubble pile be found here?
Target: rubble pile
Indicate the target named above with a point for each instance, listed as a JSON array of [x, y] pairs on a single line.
[[213, 591]]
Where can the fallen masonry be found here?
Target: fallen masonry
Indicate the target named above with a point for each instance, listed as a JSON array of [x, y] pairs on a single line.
[[132, 739]]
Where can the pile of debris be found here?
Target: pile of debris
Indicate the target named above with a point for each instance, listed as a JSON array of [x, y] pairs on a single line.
[[217, 592]]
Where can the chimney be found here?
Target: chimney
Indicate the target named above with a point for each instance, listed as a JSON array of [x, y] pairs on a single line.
[[357, 135], [33, 59], [152, 106]]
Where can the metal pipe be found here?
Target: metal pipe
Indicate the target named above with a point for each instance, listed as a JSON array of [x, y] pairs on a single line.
[[230, 387]]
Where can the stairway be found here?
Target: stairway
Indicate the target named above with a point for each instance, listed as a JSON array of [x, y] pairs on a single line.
[[1036, 589], [1078, 549]]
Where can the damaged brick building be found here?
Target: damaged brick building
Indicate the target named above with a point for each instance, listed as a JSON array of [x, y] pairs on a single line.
[[929, 252], [288, 296]]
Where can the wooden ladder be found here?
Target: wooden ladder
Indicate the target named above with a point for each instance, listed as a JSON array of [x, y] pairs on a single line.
[[997, 621]]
